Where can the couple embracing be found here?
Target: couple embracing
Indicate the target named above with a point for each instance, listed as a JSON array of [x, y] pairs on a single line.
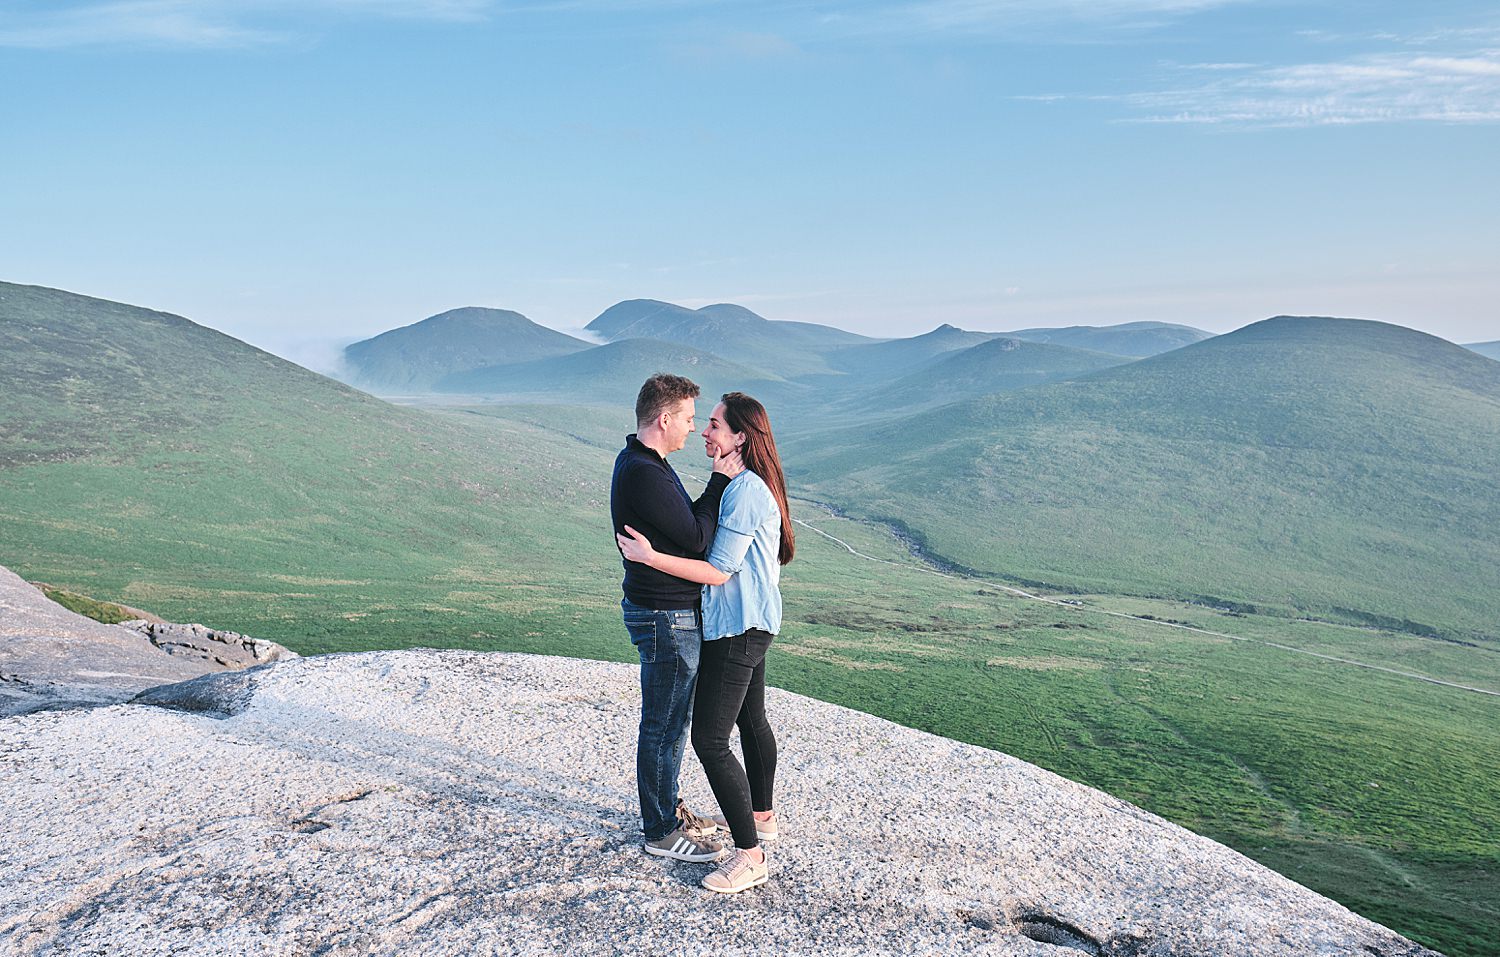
[[702, 603]]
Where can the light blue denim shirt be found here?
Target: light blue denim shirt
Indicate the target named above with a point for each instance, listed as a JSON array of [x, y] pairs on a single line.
[[745, 547]]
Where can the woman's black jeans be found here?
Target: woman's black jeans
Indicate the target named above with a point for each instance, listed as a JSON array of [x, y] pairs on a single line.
[[732, 690]]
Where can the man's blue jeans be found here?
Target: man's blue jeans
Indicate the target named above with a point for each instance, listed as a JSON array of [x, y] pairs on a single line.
[[668, 643]]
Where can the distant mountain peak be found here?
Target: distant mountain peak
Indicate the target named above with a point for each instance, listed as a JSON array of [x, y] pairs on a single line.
[[476, 312], [412, 358]]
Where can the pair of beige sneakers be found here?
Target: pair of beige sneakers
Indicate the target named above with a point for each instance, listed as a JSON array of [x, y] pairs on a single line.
[[693, 840]]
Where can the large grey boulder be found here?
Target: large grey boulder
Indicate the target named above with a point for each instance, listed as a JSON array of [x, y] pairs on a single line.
[[458, 803], [52, 658]]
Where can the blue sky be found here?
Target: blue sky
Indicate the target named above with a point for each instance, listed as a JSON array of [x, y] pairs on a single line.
[[300, 171]]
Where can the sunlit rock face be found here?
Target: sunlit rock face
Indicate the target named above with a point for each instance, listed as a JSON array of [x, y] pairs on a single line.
[[53, 658], [447, 802]]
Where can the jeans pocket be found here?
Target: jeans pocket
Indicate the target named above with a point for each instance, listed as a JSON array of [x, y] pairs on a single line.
[[750, 648], [645, 631], [686, 637]]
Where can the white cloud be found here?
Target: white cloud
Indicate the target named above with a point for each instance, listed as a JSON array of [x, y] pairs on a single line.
[[738, 46], [1376, 88], [227, 23], [1453, 65], [177, 23], [1226, 67], [204, 23], [971, 16]]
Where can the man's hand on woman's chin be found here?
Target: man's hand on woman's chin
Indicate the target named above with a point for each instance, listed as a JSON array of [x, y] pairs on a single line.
[[730, 465]]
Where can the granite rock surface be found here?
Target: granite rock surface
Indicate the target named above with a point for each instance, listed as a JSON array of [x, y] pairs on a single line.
[[449, 802], [53, 658]]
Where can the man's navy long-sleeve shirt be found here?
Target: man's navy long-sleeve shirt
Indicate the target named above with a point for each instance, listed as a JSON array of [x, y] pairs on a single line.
[[647, 495]]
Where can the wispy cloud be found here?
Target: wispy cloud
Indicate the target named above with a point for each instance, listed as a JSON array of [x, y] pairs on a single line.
[[970, 13], [977, 17], [204, 23], [175, 23], [737, 46], [1377, 88], [229, 23]]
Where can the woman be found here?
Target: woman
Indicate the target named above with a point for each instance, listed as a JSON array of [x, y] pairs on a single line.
[[741, 614]]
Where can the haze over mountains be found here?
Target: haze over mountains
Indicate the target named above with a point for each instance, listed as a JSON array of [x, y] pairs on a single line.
[[998, 365], [1491, 349], [609, 373], [497, 352], [1136, 339]]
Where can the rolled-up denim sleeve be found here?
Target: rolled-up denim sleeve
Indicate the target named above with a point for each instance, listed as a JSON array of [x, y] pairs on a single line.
[[744, 508], [729, 550]]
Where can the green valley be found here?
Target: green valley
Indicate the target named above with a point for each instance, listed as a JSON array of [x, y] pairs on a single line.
[[148, 461], [1306, 467]]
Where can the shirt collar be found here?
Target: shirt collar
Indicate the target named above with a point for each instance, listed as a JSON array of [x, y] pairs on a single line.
[[632, 442]]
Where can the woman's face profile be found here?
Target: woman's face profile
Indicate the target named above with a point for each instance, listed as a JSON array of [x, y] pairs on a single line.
[[718, 439]]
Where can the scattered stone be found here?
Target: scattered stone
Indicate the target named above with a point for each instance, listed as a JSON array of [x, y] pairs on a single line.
[[227, 649]]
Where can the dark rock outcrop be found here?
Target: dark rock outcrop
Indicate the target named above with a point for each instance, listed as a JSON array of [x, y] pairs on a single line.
[[227, 649]]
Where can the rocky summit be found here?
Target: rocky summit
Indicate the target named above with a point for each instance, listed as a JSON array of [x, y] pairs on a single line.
[[460, 803]]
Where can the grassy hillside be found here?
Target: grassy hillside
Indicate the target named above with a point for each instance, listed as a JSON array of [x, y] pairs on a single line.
[[412, 358], [998, 365], [148, 460], [1329, 467], [1136, 339]]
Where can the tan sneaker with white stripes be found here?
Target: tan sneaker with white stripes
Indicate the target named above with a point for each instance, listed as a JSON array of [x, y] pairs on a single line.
[[680, 847], [738, 872]]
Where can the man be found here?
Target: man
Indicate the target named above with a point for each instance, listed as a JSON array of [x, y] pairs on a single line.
[[662, 612]]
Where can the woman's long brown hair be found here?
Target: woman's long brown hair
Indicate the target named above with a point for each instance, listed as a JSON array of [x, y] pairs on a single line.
[[744, 414]]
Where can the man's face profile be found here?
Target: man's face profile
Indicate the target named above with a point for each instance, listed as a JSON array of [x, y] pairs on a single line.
[[679, 424]]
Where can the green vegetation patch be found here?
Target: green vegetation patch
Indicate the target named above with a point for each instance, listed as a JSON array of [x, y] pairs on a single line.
[[102, 611]]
